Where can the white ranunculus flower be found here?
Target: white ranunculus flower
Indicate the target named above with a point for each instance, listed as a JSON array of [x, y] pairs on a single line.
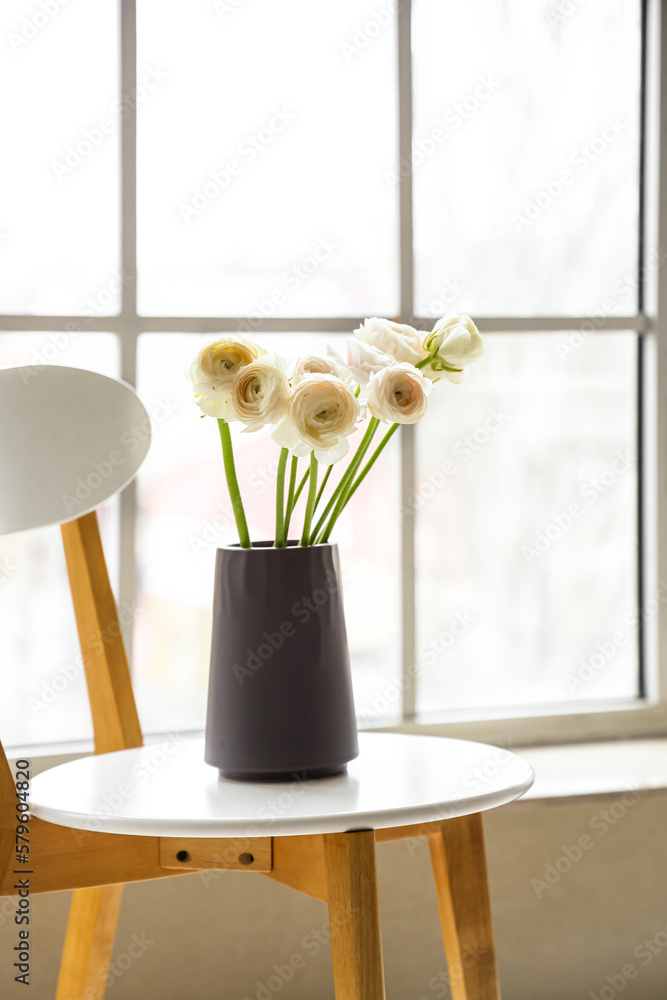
[[454, 342], [398, 394], [260, 393], [211, 371], [360, 361], [401, 342], [323, 412], [312, 364]]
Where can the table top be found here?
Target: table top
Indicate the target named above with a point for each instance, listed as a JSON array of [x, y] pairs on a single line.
[[167, 790]]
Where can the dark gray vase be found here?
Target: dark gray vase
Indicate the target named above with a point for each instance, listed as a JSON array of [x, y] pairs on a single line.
[[280, 702]]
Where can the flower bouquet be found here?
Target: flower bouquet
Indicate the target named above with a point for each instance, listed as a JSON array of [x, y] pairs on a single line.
[[383, 377], [280, 699]]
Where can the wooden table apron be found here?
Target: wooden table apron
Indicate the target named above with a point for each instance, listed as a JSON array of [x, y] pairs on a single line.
[[159, 810]]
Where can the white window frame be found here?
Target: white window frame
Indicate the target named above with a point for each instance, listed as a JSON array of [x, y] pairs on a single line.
[[645, 716]]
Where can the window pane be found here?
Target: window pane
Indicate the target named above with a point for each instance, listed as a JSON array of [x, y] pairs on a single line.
[[526, 527], [261, 162], [185, 514], [60, 122], [44, 697], [526, 151]]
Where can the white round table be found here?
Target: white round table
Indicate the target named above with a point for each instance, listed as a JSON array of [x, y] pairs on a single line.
[[161, 809], [167, 790]]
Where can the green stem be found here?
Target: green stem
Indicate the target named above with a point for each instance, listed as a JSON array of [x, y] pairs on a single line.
[[370, 463], [373, 425], [321, 489], [233, 485], [442, 366], [300, 487], [347, 477], [310, 505], [280, 499], [290, 498]]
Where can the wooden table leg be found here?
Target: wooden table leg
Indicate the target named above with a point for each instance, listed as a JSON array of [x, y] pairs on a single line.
[[354, 915], [459, 868], [90, 933]]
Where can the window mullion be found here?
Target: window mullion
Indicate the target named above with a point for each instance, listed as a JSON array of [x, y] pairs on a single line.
[[654, 350], [127, 323], [128, 156], [406, 259]]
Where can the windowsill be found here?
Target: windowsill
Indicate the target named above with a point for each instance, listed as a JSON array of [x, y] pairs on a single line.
[[585, 770], [563, 772]]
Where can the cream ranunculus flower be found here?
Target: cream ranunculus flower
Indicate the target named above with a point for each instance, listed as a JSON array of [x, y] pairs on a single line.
[[454, 343], [398, 394], [211, 371], [360, 361], [312, 364], [260, 393], [401, 342], [323, 412]]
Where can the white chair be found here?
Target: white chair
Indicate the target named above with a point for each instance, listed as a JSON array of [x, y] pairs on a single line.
[[70, 440]]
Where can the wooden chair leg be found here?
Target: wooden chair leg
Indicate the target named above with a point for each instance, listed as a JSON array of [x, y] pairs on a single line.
[[93, 913], [354, 915], [8, 817], [459, 868], [87, 952]]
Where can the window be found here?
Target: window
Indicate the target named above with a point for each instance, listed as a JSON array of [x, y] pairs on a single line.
[[286, 169]]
